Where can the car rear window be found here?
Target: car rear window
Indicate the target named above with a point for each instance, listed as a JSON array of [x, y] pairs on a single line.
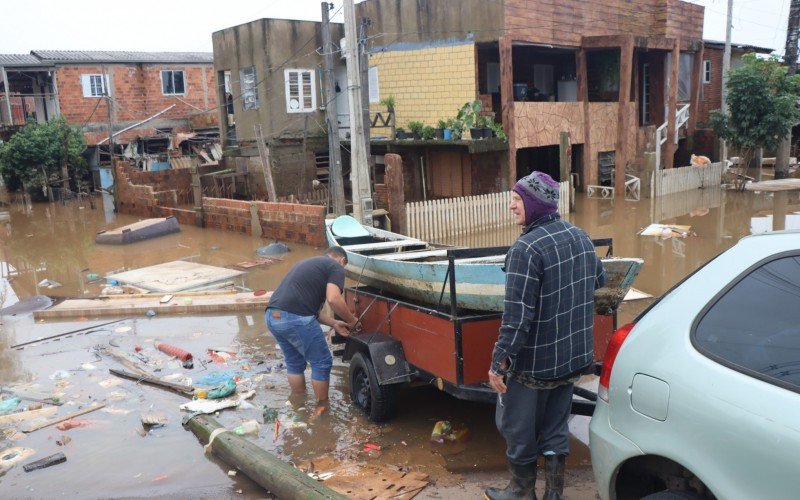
[[755, 326]]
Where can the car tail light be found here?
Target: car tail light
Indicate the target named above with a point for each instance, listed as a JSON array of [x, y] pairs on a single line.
[[614, 345]]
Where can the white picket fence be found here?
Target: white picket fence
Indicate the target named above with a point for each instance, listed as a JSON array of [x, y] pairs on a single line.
[[675, 180], [434, 220]]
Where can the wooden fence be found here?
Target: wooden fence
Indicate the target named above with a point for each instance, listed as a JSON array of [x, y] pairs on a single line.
[[435, 220], [675, 180]]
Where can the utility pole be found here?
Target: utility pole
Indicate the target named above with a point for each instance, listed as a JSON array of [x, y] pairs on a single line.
[[359, 167], [726, 67], [111, 147], [363, 66], [790, 61], [335, 179]]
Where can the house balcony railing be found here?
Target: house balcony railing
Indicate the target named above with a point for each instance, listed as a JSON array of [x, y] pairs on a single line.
[[681, 119]]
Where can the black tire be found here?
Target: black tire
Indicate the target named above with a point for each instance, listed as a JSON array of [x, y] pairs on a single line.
[[376, 400], [673, 495]]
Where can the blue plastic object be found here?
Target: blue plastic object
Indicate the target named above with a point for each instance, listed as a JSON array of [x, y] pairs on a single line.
[[345, 226], [9, 405]]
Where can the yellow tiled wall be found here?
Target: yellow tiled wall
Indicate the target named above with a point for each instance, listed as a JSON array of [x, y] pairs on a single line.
[[427, 84]]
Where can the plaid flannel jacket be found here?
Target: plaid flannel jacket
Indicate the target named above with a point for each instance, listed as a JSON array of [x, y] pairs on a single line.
[[552, 271]]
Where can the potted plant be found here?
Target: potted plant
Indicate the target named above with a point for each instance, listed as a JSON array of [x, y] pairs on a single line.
[[400, 133], [469, 114], [485, 123], [428, 132], [416, 128], [454, 130], [439, 131], [497, 130], [389, 103]]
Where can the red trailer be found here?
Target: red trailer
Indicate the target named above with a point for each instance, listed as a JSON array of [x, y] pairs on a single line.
[[403, 341]]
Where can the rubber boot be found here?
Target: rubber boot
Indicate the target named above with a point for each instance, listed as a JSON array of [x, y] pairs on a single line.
[[554, 477], [521, 486]]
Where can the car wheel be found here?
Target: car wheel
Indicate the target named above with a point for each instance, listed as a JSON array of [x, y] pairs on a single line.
[[673, 495], [376, 400]]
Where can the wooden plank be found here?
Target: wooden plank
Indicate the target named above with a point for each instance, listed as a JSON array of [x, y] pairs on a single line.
[[47, 423], [25, 416], [383, 245], [410, 255], [184, 390], [141, 305]]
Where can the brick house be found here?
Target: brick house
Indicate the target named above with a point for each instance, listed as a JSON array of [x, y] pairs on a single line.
[[586, 81], [151, 93], [711, 90]]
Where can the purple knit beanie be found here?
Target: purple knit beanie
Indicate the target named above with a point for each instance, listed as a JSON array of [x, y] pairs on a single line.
[[539, 193]]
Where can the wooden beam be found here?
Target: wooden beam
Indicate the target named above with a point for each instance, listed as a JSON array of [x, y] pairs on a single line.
[[697, 83], [623, 115], [266, 164], [588, 175], [507, 101], [672, 106]]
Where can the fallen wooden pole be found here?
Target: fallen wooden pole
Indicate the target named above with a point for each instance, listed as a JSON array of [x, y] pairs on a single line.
[[57, 420], [184, 390], [274, 475]]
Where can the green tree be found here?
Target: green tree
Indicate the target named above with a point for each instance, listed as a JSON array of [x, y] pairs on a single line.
[[32, 157], [762, 106]]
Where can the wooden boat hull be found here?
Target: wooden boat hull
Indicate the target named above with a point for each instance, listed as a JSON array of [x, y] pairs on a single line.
[[480, 285]]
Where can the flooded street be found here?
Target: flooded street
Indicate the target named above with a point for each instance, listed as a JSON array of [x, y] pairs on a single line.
[[114, 456]]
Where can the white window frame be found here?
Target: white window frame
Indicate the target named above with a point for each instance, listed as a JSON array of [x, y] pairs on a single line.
[[301, 99], [707, 71], [172, 75], [89, 84], [374, 85]]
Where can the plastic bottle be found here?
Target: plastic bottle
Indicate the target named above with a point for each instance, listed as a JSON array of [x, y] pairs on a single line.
[[249, 427]]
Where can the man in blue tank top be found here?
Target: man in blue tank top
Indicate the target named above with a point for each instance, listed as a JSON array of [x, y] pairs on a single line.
[[294, 315]]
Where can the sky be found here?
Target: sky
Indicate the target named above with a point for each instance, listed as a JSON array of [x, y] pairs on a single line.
[[178, 26]]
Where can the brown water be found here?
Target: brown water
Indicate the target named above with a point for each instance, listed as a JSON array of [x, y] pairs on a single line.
[[114, 457]]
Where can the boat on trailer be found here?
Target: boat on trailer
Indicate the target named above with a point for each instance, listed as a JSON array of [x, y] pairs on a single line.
[[418, 270]]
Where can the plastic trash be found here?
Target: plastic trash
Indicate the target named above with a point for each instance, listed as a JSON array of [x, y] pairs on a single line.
[[217, 378], [9, 405], [223, 390], [60, 374], [269, 414], [443, 431], [49, 284], [150, 313], [249, 427], [273, 249], [92, 276], [112, 282]]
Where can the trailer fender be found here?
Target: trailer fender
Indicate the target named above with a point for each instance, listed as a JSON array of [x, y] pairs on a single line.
[[386, 354]]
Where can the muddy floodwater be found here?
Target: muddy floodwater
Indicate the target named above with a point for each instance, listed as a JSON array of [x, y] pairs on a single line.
[[113, 455]]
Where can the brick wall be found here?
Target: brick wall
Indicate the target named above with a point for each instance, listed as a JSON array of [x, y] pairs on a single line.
[[428, 84], [157, 198], [137, 92], [282, 221], [711, 97]]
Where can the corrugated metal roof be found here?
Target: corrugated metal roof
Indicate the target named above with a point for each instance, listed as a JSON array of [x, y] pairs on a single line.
[[99, 56], [12, 60], [740, 46]]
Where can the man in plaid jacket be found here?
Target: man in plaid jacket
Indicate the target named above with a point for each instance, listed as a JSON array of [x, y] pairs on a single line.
[[546, 338]]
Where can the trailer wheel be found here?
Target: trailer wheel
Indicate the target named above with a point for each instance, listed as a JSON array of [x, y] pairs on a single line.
[[376, 400]]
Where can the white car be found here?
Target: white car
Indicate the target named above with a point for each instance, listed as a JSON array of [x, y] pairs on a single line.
[[700, 396]]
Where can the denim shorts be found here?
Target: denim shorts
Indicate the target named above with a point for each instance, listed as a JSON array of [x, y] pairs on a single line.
[[302, 342]]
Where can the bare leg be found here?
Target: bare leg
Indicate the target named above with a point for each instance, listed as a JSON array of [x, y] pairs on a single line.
[[320, 390], [298, 383]]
